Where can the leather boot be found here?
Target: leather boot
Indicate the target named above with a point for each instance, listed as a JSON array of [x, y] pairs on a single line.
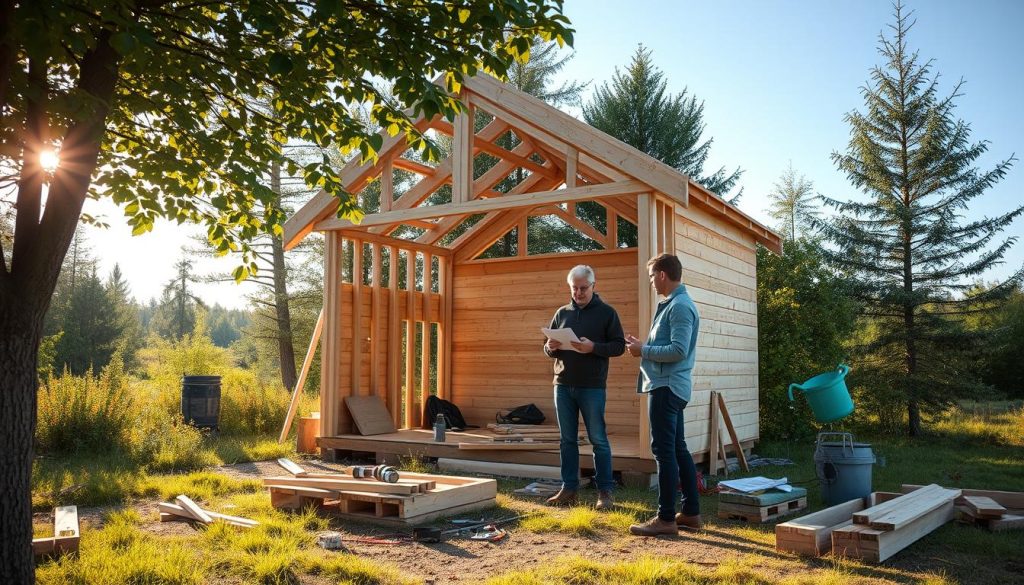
[[689, 522], [605, 501], [564, 497], [655, 527]]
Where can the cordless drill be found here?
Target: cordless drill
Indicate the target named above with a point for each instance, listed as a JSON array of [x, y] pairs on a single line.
[[384, 473]]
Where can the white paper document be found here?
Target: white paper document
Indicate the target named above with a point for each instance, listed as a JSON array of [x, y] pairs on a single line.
[[565, 336], [756, 484]]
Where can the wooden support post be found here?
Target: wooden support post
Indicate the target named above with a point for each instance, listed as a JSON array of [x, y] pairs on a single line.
[[410, 339], [740, 455], [612, 229], [376, 386], [462, 154], [659, 226], [301, 383], [428, 278], [449, 312], [387, 186], [357, 317], [394, 400], [330, 348], [521, 233], [443, 270], [646, 300], [572, 162], [713, 439]]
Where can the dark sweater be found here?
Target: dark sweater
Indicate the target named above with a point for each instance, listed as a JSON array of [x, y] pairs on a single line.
[[597, 322]]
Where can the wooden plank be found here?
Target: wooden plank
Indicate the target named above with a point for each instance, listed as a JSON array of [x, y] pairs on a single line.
[[370, 415], [713, 440], [291, 467], [410, 339], [875, 545], [373, 486], [65, 528], [368, 236], [1007, 522], [910, 511], [425, 345], [874, 513], [462, 153], [533, 446], [394, 341], [444, 330], [293, 405], [356, 334], [572, 161], [732, 433], [181, 512], [984, 507], [376, 320], [330, 348], [387, 185], [1009, 500], [523, 200], [193, 509], [645, 316]]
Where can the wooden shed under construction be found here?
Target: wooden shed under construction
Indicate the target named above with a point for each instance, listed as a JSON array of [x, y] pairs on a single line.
[[412, 309]]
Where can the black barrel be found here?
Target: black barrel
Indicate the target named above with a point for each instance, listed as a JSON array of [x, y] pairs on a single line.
[[200, 401]]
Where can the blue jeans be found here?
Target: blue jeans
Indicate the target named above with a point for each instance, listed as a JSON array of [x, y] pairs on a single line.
[[570, 402], [668, 444]]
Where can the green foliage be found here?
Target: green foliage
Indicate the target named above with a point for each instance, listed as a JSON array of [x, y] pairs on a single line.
[[791, 203], [907, 249], [1001, 331], [635, 108], [85, 412], [178, 311], [804, 318], [249, 406], [194, 354]]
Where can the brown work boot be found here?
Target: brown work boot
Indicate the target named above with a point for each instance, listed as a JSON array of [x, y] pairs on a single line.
[[654, 527], [605, 501], [689, 522], [564, 497]]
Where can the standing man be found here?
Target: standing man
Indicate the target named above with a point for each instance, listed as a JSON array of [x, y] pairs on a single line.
[[666, 368], [581, 374]]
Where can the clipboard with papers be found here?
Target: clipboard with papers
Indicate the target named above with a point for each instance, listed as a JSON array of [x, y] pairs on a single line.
[[565, 336]]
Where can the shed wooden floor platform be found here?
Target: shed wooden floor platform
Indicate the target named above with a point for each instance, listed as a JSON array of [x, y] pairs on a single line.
[[626, 452]]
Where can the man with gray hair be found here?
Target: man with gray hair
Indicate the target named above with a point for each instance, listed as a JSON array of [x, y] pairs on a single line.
[[581, 375]]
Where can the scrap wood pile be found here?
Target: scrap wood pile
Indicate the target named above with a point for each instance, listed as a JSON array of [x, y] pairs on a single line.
[[186, 509], [65, 533], [885, 523], [361, 492]]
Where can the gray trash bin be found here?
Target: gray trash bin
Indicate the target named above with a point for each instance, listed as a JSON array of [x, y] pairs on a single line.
[[843, 467]]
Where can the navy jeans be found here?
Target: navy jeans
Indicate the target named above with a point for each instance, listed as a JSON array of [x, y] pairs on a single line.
[[675, 464], [570, 402]]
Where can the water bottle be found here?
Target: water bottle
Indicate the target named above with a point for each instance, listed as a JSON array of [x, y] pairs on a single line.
[[439, 427]]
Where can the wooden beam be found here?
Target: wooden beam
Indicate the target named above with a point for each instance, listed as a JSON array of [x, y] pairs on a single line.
[[444, 332], [613, 152], [740, 455], [485, 238], [592, 192], [413, 166], [394, 401], [622, 207], [646, 304], [714, 427], [425, 346], [353, 177], [357, 317], [329, 348], [392, 241], [572, 163], [585, 228], [462, 153], [612, 223], [521, 235], [410, 337], [376, 387], [301, 383], [717, 206], [519, 161], [387, 186]]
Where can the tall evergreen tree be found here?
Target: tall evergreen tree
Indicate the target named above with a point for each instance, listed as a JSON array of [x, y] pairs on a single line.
[[791, 203], [176, 313], [907, 247], [636, 108], [127, 315], [90, 326]]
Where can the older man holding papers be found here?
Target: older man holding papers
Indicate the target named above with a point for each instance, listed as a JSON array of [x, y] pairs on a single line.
[[581, 374]]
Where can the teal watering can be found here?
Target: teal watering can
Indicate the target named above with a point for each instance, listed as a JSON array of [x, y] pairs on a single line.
[[827, 395]]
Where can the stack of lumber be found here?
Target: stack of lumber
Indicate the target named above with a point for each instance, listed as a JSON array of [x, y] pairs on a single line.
[[812, 534], [883, 530], [990, 509], [759, 508], [413, 499], [65, 533], [186, 509]]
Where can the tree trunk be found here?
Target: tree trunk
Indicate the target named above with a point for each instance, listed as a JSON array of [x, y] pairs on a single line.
[[285, 348], [20, 332]]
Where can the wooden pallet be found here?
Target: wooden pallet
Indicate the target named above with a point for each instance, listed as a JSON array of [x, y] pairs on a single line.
[[760, 514], [447, 496], [812, 534]]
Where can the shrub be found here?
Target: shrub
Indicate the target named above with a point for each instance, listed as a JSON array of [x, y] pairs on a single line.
[[86, 413], [249, 406]]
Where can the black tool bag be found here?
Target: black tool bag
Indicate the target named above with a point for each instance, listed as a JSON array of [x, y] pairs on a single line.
[[527, 414], [453, 418]]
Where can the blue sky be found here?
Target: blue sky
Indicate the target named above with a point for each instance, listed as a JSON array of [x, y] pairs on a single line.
[[776, 78]]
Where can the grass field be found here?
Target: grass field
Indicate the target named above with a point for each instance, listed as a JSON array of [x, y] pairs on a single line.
[[127, 545]]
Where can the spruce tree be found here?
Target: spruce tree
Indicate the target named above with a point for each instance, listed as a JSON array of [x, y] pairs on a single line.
[[792, 203], [636, 108], [908, 248]]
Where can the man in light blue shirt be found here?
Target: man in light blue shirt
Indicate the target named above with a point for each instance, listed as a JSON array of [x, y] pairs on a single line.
[[666, 376]]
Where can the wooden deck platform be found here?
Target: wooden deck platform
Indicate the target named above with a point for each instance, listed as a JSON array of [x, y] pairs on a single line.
[[420, 443]]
